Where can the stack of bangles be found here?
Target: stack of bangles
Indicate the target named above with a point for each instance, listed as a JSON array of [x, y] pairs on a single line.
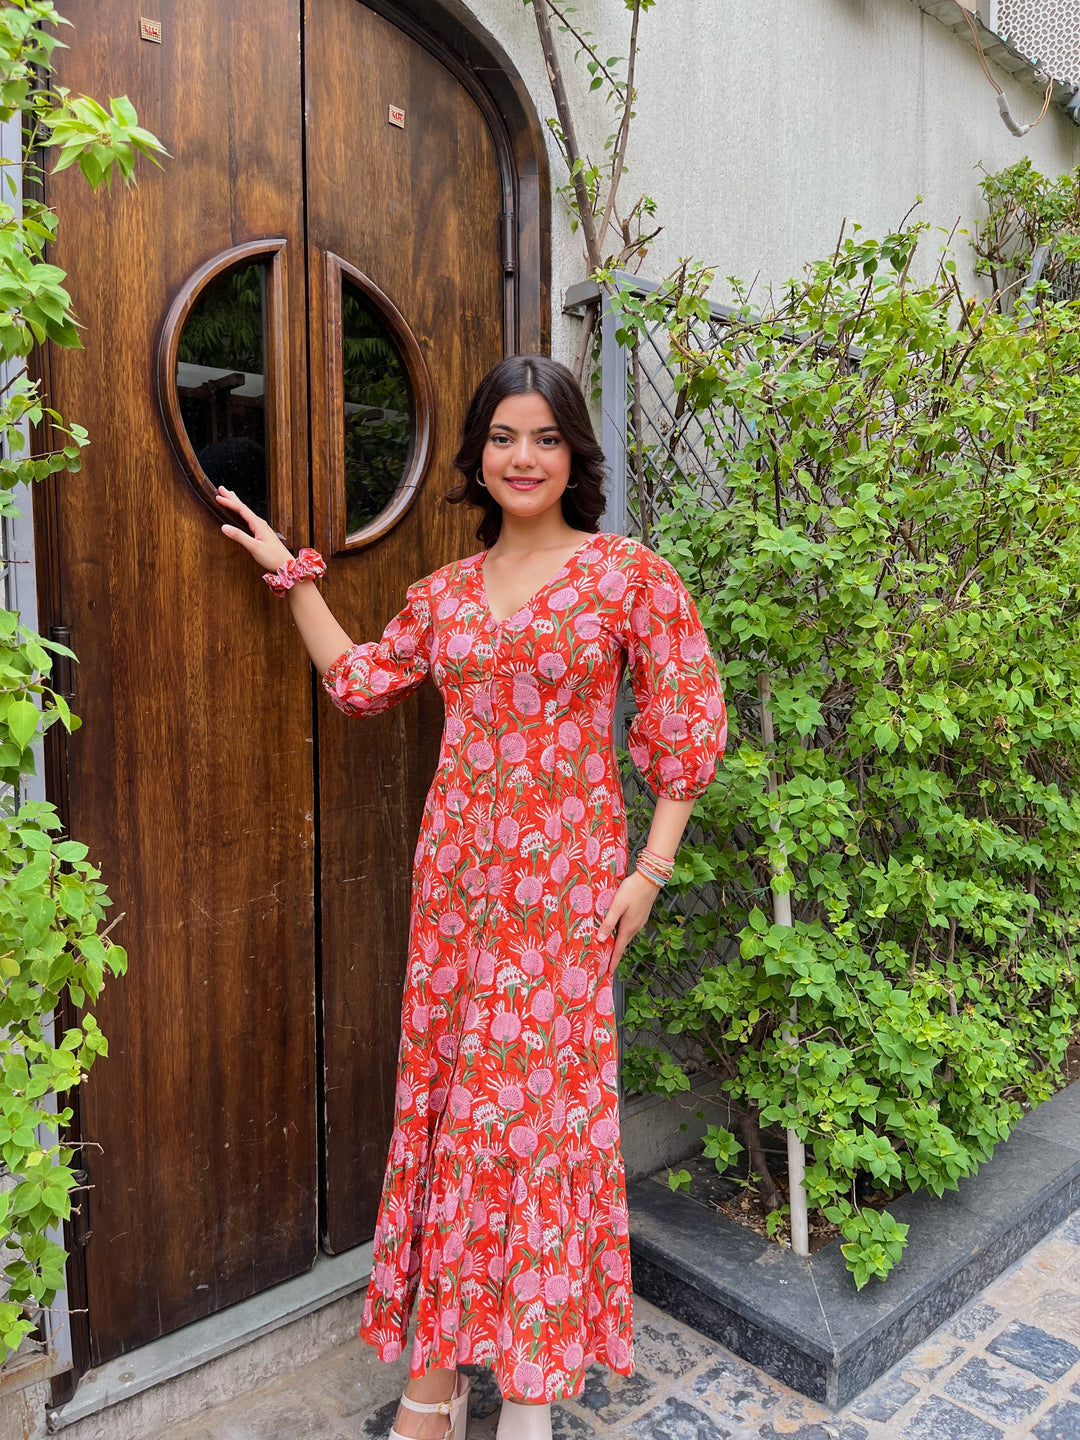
[[657, 869]]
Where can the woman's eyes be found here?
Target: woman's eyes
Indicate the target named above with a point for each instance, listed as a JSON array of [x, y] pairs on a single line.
[[549, 442]]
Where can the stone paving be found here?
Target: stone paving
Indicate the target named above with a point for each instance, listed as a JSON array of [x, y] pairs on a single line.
[[1005, 1367]]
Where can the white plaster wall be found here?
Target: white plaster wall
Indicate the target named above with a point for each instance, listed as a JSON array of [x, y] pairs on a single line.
[[762, 124]]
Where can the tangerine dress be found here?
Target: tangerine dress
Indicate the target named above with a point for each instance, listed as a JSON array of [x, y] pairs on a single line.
[[504, 1206]]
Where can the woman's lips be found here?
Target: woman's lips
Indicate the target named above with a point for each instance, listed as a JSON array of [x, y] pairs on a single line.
[[521, 482]]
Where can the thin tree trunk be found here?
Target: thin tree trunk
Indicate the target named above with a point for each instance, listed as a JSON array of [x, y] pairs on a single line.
[[750, 1129]]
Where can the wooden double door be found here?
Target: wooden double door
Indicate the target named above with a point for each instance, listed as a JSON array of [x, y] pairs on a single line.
[[299, 304]]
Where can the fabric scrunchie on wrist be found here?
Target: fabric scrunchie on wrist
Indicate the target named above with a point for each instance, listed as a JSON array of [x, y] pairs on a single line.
[[307, 565]]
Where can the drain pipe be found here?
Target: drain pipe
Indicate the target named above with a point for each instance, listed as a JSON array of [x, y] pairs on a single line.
[[796, 1150]]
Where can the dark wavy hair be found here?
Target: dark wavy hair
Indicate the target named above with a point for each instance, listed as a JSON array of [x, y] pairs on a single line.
[[583, 504]]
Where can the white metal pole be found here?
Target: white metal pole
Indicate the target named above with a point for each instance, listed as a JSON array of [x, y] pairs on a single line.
[[800, 1225]]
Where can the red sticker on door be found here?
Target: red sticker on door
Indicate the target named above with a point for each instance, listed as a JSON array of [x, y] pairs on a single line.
[[397, 116]]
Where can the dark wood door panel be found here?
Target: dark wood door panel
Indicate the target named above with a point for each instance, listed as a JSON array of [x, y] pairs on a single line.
[[416, 210], [191, 779]]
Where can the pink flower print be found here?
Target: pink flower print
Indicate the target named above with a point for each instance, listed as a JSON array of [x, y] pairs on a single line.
[[479, 1215], [454, 1247], [474, 881], [618, 1352], [553, 944], [573, 1251], [573, 809], [438, 822], [640, 621], [481, 705], [511, 1097], [620, 1219], [605, 1001], [551, 666], [523, 1140], [604, 898], [390, 1350], [553, 826], [573, 1355], [664, 599], [556, 1290], [532, 961], [438, 1099], [605, 1133], [562, 1029], [574, 982], [581, 899], [481, 756], [420, 1017], [673, 727], [464, 1347], [443, 980], [505, 1027], [592, 850], [660, 646], [595, 769], [484, 834], [564, 694], [458, 645], [592, 1096], [438, 584], [612, 586], [609, 1072], [563, 598], [456, 800], [558, 1116], [460, 1103], [670, 767], [547, 759], [379, 681], [446, 1048], [640, 756], [495, 879], [430, 951], [404, 647], [525, 699], [560, 869], [569, 735], [447, 607], [526, 1286], [542, 1006], [485, 968], [714, 707], [521, 619], [540, 1082], [513, 747], [528, 890], [468, 1264], [496, 1269], [528, 1380], [692, 649], [507, 832], [404, 1094], [587, 627], [519, 1191], [446, 858], [594, 1305], [472, 1015]]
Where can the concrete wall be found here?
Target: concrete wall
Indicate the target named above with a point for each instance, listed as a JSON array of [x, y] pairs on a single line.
[[761, 126]]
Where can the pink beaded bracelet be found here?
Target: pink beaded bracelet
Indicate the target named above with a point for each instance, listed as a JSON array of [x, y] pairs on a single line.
[[308, 565]]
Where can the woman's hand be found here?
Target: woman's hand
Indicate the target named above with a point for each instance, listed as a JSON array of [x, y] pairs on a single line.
[[267, 549], [627, 914]]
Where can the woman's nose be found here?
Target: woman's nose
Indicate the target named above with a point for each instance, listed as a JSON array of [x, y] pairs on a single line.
[[523, 451]]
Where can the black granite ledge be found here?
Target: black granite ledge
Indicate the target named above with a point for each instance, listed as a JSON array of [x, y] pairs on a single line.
[[803, 1321]]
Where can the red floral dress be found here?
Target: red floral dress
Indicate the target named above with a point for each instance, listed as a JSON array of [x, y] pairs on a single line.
[[504, 1205]]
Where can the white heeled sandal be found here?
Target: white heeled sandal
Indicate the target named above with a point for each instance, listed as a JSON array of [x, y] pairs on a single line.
[[455, 1409], [524, 1422]]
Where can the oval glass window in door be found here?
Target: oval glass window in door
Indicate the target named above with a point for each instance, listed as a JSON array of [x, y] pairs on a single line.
[[221, 379], [221, 382], [380, 412]]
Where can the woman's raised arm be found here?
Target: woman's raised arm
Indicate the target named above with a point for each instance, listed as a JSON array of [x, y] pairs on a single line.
[[326, 641]]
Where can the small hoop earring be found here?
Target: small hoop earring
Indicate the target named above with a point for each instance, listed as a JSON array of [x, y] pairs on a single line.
[[480, 479], [572, 486]]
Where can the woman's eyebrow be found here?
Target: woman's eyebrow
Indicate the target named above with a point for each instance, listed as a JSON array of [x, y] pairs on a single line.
[[540, 429]]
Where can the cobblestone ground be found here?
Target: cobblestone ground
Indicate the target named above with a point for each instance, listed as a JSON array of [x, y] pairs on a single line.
[[1007, 1366]]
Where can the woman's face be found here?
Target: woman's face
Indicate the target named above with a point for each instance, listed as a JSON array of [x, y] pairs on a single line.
[[526, 461]]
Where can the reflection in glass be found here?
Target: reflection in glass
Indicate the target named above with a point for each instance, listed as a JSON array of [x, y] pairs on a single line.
[[220, 380], [378, 410]]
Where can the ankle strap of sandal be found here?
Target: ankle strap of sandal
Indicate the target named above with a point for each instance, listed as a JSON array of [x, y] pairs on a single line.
[[442, 1408]]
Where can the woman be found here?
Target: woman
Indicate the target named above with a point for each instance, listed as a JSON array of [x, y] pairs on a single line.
[[504, 1204]]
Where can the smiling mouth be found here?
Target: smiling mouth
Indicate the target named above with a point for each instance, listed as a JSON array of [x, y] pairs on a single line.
[[523, 482]]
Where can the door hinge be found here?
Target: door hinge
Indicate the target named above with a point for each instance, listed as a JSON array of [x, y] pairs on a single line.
[[508, 241], [79, 1225], [63, 677]]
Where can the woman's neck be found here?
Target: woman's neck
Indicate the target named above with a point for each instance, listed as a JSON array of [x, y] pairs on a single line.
[[543, 532]]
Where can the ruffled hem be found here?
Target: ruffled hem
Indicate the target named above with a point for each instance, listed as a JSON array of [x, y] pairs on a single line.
[[521, 1266]]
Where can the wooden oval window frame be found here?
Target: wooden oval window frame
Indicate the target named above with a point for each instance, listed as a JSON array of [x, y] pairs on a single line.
[[422, 398], [279, 496]]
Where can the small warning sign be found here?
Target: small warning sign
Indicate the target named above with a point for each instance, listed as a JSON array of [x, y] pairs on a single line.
[[150, 30], [397, 116]]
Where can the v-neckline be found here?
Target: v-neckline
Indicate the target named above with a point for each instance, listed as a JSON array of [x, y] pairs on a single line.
[[536, 594]]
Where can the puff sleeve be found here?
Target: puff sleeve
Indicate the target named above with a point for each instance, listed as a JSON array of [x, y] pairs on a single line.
[[679, 733], [373, 676]]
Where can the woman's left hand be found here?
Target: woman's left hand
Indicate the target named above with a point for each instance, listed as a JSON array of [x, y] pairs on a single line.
[[626, 916]]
